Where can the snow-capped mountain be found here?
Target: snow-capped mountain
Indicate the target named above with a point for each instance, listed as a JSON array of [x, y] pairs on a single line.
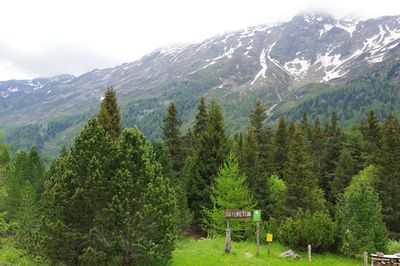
[[266, 60]]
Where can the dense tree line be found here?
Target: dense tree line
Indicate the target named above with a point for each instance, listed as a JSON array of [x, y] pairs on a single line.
[[113, 197], [295, 167]]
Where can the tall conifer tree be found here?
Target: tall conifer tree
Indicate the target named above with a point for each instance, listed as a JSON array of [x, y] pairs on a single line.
[[302, 185], [281, 147], [388, 183], [109, 116], [172, 136], [333, 146], [208, 157]]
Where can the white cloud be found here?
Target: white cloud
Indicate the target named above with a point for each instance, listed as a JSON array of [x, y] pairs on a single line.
[[47, 37]]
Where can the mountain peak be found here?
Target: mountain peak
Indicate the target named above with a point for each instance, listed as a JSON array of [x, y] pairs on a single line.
[[311, 17]]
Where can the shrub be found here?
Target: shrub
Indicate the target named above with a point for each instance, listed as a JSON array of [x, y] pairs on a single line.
[[360, 221], [393, 247], [305, 228]]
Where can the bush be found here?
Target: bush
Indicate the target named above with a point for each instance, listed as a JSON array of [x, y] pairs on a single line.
[[393, 247], [305, 228], [360, 224]]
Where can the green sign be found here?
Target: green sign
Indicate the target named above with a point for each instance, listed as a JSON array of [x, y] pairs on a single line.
[[257, 216]]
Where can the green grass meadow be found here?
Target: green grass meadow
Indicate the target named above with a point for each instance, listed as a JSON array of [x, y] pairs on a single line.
[[211, 252], [208, 252]]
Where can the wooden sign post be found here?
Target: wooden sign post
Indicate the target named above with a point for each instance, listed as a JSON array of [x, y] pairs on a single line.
[[257, 219], [228, 238], [230, 214]]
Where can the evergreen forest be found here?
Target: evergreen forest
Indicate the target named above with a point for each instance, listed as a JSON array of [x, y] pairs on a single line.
[[115, 197]]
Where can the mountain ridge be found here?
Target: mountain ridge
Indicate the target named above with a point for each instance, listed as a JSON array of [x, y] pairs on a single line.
[[265, 62]]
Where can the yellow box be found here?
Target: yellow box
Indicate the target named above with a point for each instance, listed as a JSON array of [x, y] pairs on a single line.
[[269, 237]]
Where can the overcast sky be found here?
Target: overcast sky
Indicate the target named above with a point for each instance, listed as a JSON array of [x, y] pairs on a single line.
[[50, 37]]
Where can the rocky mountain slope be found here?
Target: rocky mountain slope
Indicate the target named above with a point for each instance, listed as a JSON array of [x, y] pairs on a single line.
[[268, 62]]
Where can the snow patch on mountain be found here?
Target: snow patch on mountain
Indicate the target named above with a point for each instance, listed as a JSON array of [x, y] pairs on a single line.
[[349, 26], [264, 67], [325, 29], [297, 67]]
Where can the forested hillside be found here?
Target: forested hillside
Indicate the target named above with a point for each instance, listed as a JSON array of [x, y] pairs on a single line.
[[373, 90]]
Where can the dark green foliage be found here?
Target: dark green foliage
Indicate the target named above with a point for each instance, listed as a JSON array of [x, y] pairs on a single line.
[[77, 191], [109, 116], [343, 174], [179, 184], [172, 136], [355, 143], [317, 148], [143, 211], [209, 156], [302, 184], [258, 115], [373, 138], [201, 118], [229, 192], [388, 182], [27, 215], [281, 147], [305, 126], [333, 144], [26, 170], [305, 228], [360, 221]]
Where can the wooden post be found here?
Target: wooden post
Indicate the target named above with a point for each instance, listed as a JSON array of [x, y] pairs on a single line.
[[365, 258], [228, 238], [258, 237], [309, 253], [269, 246]]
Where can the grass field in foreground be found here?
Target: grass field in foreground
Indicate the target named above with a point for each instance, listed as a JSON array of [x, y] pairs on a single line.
[[211, 252]]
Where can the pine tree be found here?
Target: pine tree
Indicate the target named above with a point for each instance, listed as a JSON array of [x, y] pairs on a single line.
[[143, 210], [201, 118], [27, 167], [360, 221], [343, 174], [305, 126], [172, 136], [109, 116], [388, 183], [208, 157], [258, 115], [317, 149], [36, 172], [302, 185], [252, 166], [76, 193], [228, 192], [333, 146], [281, 147], [163, 157], [373, 137], [374, 129], [357, 147]]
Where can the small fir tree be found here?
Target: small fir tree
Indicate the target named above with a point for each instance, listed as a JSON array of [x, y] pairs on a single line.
[[229, 191]]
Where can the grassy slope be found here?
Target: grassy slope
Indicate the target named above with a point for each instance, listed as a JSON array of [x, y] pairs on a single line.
[[211, 252], [9, 255]]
